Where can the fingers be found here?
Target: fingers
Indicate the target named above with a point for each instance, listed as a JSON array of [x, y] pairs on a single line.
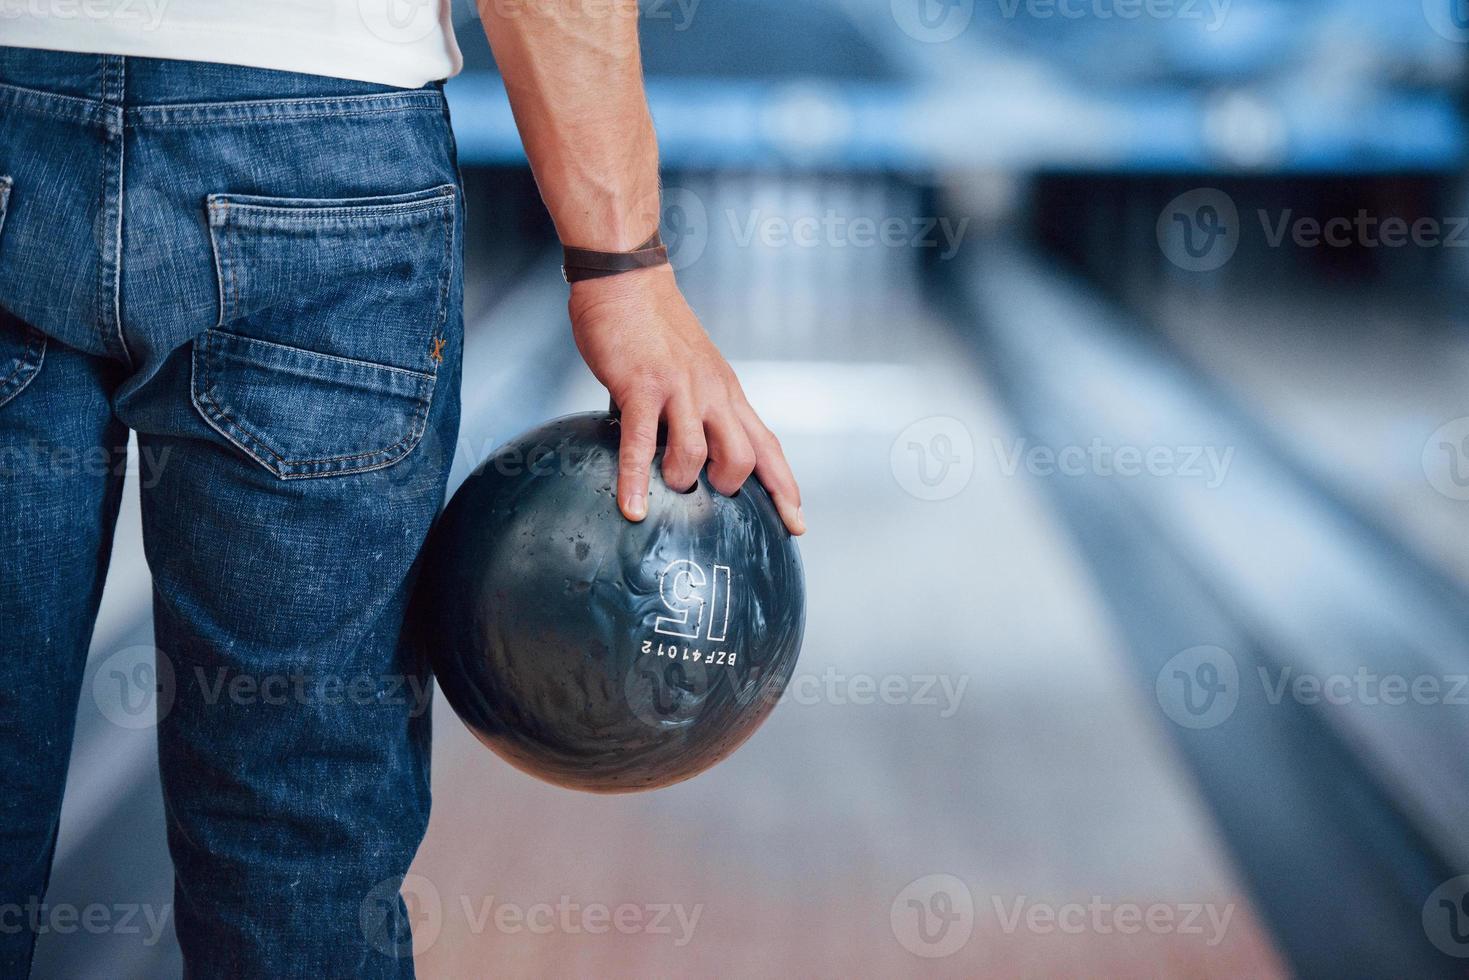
[[732, 440], [687, 450], [731, 457], [774, 472], [635, 456]]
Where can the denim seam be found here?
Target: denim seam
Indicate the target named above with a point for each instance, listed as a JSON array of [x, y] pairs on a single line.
[[26, 367], [224, 269], [446, 275], [99, 294], [233, 296], [202, 369], [220, 205], [353, 361], [66, 107], [446, 272], [218, 265], [74, 108], [34, 355], [225, 203], [245, 433], [113, 171], [205, 113], [252, 444]]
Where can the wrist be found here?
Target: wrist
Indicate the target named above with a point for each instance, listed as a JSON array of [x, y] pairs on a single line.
[[637, 282], [605, 201], [617, 230], [580, 263]]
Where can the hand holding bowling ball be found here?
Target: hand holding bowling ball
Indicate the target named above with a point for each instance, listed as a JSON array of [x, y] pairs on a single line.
[[645, 345], [594, 652]]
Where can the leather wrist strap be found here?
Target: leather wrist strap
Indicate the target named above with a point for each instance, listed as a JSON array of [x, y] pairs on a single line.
[[588, 263]]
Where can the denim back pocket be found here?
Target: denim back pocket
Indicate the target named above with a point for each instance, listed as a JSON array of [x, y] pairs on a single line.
[[330, 332], [22, 347]]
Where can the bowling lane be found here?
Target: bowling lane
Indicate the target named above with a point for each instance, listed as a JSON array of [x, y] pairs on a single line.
[[1266, 573], [962, 739], [1380, 411]]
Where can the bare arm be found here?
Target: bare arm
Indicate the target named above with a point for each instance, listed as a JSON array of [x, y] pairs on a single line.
[[574, 76]]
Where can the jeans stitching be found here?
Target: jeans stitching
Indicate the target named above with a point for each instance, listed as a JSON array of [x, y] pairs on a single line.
[[234, 284], [446, 275], [74, 108], [366, 211], [26, 367], [354, 361], [379, 100], [242, 432], [218, 264], [206, 349], [69, 108], [224, 113], [288, 465]]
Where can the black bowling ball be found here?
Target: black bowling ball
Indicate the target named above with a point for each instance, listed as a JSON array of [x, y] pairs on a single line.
[[595, 653]]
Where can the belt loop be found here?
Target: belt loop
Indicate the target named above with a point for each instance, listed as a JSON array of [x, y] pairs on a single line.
[[113, 79], [114, 91]]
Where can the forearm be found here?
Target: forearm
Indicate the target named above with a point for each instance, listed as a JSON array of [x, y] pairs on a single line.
[[575, 81], [574, 77]]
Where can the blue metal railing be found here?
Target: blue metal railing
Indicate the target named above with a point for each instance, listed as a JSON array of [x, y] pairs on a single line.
[[876, 126]]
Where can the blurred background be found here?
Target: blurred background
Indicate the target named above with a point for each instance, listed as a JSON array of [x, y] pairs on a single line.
[[1119, 346]]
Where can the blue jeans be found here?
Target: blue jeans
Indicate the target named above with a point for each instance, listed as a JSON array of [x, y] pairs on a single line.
[[259, 273]]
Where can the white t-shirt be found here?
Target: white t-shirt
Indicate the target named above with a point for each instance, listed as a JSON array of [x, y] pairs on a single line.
[[394, 42]]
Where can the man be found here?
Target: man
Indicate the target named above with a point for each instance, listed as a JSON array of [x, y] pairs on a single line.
[[234, 228]]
